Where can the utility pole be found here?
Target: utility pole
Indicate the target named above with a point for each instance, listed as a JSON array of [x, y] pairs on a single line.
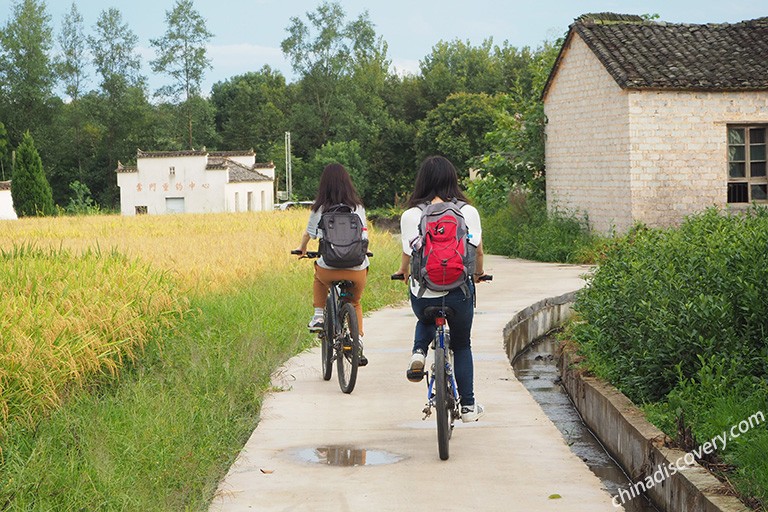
[[288, 177]]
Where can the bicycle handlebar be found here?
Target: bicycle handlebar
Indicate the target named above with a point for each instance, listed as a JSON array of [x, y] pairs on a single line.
[[401, 277], [316, 254]]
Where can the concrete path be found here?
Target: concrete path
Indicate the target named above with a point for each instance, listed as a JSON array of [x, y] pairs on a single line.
[[514, 459]]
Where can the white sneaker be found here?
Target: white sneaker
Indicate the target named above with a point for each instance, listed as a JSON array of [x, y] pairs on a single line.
[[417, 361], [316, 324], [471, 413]]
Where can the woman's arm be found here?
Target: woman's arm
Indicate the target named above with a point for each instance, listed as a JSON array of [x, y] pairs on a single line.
[[304, 242], [405, 265], [479, 272]]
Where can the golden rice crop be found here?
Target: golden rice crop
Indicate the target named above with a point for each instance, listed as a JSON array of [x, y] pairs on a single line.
[[204, 252], [80, 294], [64, 317]]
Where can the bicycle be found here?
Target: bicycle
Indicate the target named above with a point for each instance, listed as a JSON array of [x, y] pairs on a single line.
[[442, 392], [340, 335]]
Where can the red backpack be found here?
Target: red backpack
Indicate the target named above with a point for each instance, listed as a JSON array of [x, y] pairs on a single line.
[[442, 258]]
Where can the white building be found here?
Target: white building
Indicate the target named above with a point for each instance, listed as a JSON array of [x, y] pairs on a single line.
[[6, 202], [195, 182]]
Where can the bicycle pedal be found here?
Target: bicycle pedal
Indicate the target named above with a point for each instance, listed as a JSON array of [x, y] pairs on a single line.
[[414, 375], [427, 412]]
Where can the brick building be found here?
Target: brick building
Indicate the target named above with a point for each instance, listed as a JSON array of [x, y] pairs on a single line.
[[650, 121]]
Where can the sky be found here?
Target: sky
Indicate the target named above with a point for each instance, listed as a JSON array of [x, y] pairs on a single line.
[[248, 33]]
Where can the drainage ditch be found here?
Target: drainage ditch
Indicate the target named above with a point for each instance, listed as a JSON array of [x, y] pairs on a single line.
[[536, 368]]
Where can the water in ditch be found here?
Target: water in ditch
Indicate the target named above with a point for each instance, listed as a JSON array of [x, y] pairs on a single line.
[[536, 368]]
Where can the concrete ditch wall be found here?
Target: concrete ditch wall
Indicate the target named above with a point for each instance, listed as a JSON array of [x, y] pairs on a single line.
[[637, 446]]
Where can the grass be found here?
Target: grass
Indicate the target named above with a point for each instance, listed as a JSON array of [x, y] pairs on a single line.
[[162, 435]]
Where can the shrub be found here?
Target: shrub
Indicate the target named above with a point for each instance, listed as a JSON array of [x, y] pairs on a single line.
[[663, 301], [525, 229]]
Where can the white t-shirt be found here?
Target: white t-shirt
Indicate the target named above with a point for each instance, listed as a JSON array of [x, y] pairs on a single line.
[[315, 232], [409, 231]]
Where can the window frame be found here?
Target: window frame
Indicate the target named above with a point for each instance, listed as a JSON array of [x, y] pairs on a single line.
[[748, 161]]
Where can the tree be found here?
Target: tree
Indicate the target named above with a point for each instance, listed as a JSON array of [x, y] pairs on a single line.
[[344, 153], [26, 71], [3, 149], [456, 128], [515, 152], [113, 47], [71, 64], [322, 53], [71, 68], [181, 54], [251, 110], [30, 190], [122, 109]]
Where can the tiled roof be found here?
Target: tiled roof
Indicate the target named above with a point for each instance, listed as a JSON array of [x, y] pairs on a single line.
[[126, 168], [248, 152], [169, 154], [238, 173], [5, 185], [643, 54]]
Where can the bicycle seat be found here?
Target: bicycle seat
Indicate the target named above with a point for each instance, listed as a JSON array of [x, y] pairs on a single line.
[[432, 312]]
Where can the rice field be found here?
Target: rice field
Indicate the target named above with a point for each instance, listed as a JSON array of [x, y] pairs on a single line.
[[80, 296]]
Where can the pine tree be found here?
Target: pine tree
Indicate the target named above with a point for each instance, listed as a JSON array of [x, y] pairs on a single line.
[[30, 190]]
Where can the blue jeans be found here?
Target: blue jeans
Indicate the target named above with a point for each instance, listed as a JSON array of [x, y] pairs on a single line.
[[460, 327]]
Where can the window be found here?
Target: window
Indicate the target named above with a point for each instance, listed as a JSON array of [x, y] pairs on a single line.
[[747, 180], [141, 210], [172, 171]]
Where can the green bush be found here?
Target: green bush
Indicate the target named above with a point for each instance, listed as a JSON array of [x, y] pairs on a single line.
[[663, 301], [525, 229]]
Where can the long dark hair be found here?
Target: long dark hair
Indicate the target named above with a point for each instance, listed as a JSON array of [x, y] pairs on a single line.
[[437, 177], [335, 188]]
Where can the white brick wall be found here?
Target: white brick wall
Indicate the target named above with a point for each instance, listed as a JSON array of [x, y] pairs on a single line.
[[587, 143], [626, 156]]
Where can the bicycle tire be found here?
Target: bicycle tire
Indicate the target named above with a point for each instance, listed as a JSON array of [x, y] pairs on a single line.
[[327, 339], [442, 405], [347, 361]]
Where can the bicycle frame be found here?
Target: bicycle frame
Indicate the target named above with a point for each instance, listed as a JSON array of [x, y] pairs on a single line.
[[439, 344]]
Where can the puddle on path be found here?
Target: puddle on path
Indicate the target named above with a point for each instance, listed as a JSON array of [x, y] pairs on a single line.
[[536, 368], [346, 456]]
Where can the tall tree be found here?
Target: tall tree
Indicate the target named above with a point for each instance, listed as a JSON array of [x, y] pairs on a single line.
[[71, 68], [30, 190], [113, 47], [4, 145], [456, 128], [26, 71], [251, 110], [322, 51], [181, 54], [122, 109]]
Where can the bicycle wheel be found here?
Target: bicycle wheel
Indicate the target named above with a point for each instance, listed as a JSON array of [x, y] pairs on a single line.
[[327, 339], [348, 360], [442, 405]]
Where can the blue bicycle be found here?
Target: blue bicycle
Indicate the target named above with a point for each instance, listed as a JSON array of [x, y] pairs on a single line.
[[442, 392]]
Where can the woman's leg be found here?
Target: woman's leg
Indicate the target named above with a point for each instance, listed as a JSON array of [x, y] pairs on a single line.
[[461, 328], [323, 279]]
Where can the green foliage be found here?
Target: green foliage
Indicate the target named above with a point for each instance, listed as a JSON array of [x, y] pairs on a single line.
[[523, 228], [29, 188], [665, 300], [4, 144], [81, 202], [26, 71], [251, 110], [456, 128], [344, 153]]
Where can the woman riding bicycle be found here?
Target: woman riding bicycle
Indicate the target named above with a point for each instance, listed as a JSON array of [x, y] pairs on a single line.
[[335, 188], [437, 181]]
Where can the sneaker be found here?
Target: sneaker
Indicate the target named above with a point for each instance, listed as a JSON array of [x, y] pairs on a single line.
[[316, 324], [415, 371], [471, 413], [362, 360]]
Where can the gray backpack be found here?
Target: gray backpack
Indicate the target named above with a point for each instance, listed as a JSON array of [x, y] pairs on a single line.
[[342, 244]]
